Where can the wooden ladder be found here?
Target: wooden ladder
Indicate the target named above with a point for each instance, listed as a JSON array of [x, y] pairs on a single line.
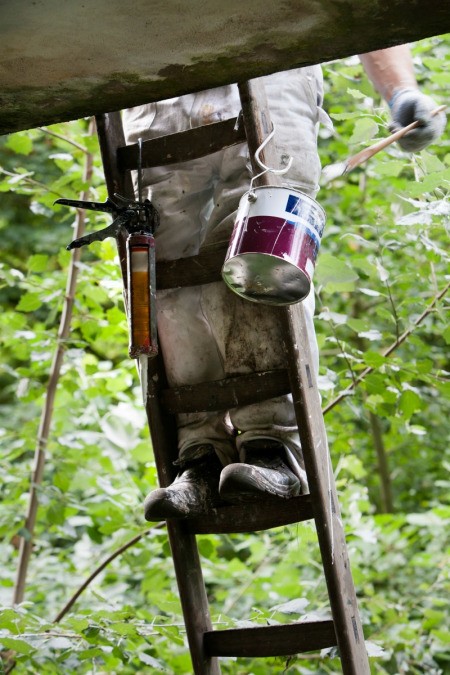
[[206, 644]]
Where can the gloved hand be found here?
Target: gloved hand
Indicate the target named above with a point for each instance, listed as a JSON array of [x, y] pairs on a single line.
[[409, 105]]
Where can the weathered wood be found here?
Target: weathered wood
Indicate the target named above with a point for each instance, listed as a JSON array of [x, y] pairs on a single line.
[[163, 431], [313, 438], [227, 393], [56, 67], [183, 146], [194, 601], [111, 136], [203, 268], [283, 640], [253, 517], [258, 126], [325, 504]]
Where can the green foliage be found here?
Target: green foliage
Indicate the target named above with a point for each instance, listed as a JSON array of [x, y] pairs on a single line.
[[384, 258]]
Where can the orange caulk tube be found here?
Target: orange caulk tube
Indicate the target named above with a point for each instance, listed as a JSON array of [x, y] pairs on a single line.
[[141, 295]]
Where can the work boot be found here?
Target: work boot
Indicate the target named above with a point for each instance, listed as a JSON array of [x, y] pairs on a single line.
[[264, 473], [194, 491]]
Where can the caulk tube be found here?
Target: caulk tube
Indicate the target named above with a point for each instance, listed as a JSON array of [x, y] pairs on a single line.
[[141, 294]]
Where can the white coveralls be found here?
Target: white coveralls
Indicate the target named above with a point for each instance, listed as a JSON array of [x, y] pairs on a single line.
[[207, 332]]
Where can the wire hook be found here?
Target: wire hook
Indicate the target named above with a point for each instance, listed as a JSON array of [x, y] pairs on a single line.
[[266, 169]]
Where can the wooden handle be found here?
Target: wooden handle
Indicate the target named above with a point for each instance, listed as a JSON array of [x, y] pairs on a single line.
[[367, 153]]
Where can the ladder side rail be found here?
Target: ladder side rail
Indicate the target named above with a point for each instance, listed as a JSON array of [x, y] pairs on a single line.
[[111, 136], [162, 427], [324, 501], [311, 426], [183, 543], [258, 126]]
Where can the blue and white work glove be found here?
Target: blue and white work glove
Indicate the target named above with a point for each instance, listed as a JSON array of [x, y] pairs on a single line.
[[409, 105]]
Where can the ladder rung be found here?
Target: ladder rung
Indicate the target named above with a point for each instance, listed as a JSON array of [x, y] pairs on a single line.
[[252, 517], [281, 640], [183, 146], [203, 268], [227, 393]]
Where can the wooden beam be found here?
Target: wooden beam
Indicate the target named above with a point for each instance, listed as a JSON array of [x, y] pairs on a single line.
[[183, 146], [227, 393], [266, 641], [82, 60], [262, 514]]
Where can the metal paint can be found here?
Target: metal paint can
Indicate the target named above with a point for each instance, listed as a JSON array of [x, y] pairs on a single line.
[[274, 245]]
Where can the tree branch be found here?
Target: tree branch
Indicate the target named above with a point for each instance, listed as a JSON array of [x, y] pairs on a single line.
[[26, 543], [387, 504], [64, 138], [101, 567], [387, 352]]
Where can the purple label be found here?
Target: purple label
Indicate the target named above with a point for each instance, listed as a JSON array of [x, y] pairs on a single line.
[[278, 237]]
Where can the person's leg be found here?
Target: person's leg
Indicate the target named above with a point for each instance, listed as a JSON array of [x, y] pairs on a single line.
[[248, 335], [249, 349], [183, 195]]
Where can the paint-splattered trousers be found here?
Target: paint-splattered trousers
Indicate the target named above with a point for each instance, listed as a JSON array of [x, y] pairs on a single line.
[[207, 332]]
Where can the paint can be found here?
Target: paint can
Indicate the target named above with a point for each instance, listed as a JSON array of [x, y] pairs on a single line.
[[274, 245]]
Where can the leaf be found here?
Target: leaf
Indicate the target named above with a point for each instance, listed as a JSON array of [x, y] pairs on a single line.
[[357, 324], [371, 334], [344, 116], [19, 646], [383, 273], [356, 93], [60, 642], [206, 547], [442, 635], [446, 334], [296, 606], [417, 430], [29, 302], [390, 167], [335, 274], [370, 291], [429, 183], [38, 263], [374, 650], [20, 143], [119, 431], [9, 619], [122, 628], [55, 514], [364, 130], [374, 359], [151, 661], [430, 162], [409, 403], [334, 317]]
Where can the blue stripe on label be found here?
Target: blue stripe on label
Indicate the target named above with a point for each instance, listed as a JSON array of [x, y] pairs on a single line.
[[297, 207], [311, 233], [293, 204]]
